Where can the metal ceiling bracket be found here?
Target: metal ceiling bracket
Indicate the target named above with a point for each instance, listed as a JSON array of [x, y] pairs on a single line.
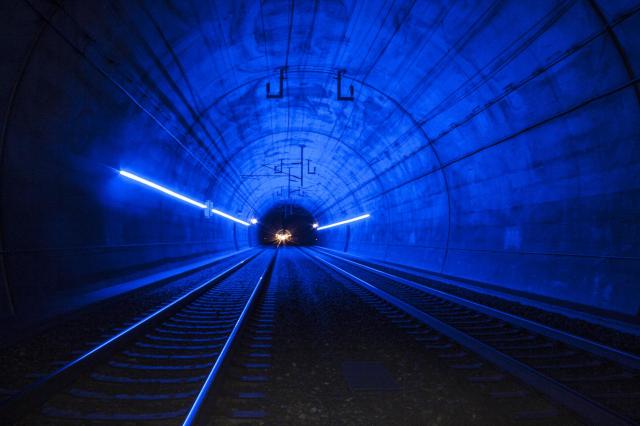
[[340, 96], [280, 93], [309, 172], [207, 211]]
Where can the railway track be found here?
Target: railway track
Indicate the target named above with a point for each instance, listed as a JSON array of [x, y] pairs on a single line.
[[206, 357], [599, 383], [161, 368], [241, 393]]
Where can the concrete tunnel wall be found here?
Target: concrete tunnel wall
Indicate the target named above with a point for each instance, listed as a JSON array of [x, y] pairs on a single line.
[[494, 141]]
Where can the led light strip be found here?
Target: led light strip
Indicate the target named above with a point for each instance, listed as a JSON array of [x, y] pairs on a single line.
[[228, 216], [163, 189], [181, 197], [343, 222]]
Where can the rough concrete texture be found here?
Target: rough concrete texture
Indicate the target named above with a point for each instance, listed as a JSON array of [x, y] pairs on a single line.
[[492, 140]]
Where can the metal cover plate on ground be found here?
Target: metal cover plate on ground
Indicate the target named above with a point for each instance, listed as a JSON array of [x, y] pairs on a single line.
[[368, 376]]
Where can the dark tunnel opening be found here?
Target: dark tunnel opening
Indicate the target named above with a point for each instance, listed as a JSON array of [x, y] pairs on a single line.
[[287, 219]]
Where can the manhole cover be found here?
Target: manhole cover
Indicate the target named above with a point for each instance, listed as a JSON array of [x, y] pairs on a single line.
[[368, 376]]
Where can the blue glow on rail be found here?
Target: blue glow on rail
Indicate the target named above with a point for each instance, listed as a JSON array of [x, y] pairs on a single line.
[[344, 222], [193, 411], [179, 196], [121, 335]]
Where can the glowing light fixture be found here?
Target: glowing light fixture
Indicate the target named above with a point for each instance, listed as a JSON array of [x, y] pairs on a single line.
[[282, 237], [315, 225], [228, 216], [182, 197], [162, 189], [253, 221], [344, 222]]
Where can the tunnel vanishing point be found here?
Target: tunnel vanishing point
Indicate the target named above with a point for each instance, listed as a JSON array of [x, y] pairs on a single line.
[[494, 145]]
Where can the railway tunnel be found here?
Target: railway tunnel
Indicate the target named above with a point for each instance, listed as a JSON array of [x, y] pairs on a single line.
[[488, 148]]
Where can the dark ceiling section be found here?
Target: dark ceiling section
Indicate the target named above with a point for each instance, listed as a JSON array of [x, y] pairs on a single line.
[[492, 140]]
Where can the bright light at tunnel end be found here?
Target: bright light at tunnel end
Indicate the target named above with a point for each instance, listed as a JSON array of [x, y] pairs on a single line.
[[343, 222], [183, 198]]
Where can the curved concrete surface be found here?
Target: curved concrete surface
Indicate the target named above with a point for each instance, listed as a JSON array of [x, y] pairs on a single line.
[[492, 140]]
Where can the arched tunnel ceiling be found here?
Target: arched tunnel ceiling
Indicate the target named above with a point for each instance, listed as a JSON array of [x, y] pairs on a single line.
[[493, 139], [211, 63], [429, 78]]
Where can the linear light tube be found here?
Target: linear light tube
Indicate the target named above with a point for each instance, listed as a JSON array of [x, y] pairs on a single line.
[[343, 222], [228, 216], [180, 196], [163, 189]]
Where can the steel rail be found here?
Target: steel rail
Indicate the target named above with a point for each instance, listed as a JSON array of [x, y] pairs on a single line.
[[38, 392], [615, 355], [589, 410], [196, 408]]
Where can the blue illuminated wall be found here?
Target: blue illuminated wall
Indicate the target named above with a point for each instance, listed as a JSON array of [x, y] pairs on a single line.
[[496, 141]]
